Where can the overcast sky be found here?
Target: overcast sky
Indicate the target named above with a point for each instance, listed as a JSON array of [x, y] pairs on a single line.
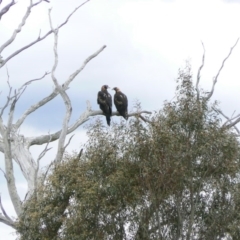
[[147, 42]]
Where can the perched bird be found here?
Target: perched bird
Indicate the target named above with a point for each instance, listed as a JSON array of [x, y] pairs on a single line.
[[104, 99], [121, 103]]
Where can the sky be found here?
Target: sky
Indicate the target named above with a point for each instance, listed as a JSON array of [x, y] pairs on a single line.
[[147, 42]]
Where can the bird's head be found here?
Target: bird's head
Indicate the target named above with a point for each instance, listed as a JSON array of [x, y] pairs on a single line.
[[105, 87], [116, 89]]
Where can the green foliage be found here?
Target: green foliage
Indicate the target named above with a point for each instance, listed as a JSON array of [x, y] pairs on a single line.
[[173, 178]]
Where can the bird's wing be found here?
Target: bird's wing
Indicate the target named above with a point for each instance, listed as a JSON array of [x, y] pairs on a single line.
[[109, 99], [120, 99], [101, 99]]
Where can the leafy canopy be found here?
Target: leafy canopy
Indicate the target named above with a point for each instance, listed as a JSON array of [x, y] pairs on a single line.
[[174, 177]]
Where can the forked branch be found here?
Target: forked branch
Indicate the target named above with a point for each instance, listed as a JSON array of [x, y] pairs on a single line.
[[64, 96], [55, 91], [22, 23], [39, 38], [229, 120]]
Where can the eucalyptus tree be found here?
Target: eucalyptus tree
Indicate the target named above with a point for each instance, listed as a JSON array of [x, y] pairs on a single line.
[[174, 175], [16, 147]]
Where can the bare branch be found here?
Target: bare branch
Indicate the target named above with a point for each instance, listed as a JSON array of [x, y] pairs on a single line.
[[82, 119], [39, 39], [145, 120], [3, 210], [3, 173], [18, 93], [9, 98], [41, 155], [232, 124], [72, 76], [16, 31], [55, 91], [45, 174], [69, 140], [199, 71], [9, 163], [6, 8], [7, 222], [219, 71], [64, 96], [33, 80]]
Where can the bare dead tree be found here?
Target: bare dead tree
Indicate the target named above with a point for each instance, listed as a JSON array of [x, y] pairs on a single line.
[[233, 120], [16, 147]]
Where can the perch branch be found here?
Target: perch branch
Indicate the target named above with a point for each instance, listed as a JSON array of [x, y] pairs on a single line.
[[82, 119], [219, 71]]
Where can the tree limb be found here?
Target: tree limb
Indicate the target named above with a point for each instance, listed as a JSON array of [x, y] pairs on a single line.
[[55, 91], [64, 96], [199, 71], [41, 155], [231, 124], [7, 222], [219, 71], [3, 210], [16, 31], [6, 8], [82, 119], [9, 98], [39, 39]]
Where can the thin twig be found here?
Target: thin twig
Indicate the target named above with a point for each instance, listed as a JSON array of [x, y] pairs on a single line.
[[199, 71], [41, 155], [3, 173], [69, 140], [228, 120], [145, 120], [3, 210]]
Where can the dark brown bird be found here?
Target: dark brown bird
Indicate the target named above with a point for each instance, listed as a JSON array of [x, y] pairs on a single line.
[[104, 99], [121, 103]]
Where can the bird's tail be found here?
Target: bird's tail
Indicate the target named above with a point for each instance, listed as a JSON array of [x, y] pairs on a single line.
[[108, 118], [125, 115]]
